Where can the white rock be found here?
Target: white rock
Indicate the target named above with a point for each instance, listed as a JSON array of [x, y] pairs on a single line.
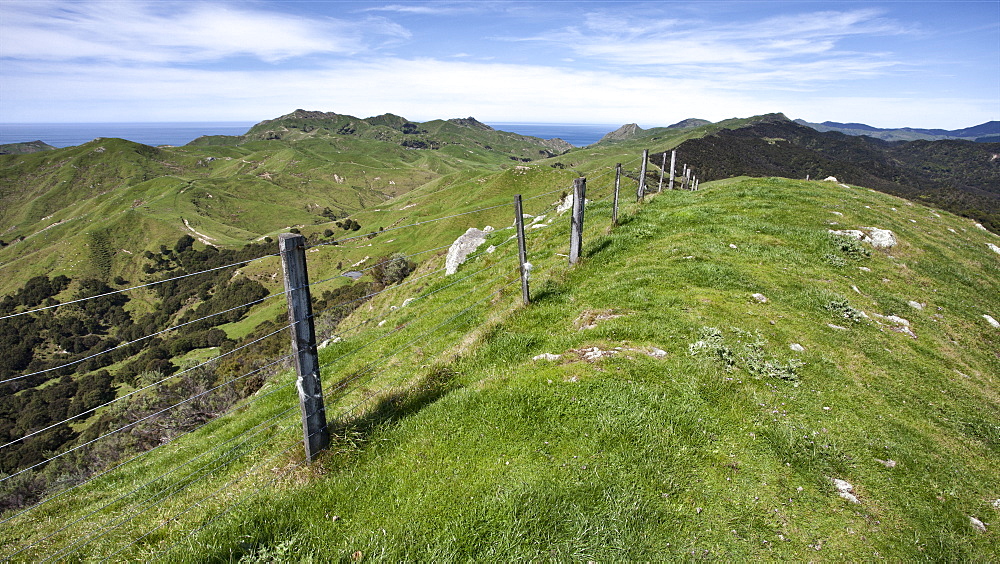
[[977, 523], [881, 238], [989, 319], [488, 229], [845, 490], [852, 233], [849, 497], [657, 353], [980, 226], [381, 323], [837, 213], [887, 463], [993, 248], [830, 179], [760, 298], [407, 302], [832, 326], [491, 249], [547, 356], [864, 269], [915, 305], [732, 246], [855, 288], [797, 347], [996, 503], [462, 247]]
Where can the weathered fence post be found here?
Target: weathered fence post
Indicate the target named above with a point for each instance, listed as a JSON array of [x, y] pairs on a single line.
[[618, 182], [687, 178], [576, 227], [521, 252], [642, 177], [673, 164], [293, 261], [662, 168]]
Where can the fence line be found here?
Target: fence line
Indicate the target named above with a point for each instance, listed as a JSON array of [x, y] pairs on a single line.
[[342, 388], [150, 482], [145, 452]]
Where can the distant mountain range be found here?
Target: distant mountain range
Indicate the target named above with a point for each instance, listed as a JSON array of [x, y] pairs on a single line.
[[988, 132]]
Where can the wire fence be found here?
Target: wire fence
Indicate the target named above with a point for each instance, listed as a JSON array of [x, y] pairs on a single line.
[[132, 514]]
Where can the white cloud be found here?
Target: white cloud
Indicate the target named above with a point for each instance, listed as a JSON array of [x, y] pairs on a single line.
[[176, 32], [764, 47]]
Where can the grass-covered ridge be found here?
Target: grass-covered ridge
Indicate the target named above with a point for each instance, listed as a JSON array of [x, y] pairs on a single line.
[[678, 421]]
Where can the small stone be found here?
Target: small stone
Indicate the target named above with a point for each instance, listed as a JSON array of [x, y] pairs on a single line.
[[657, 353], [830, 179], [826, 408], [887, 463], [832, 326], [381, 323], [837, 213], [977, 524], [996, 503], [491, 249], [760, 298], [698, 510], [980, 226], [732, 246], [864, 269], [855, 288], [993, 248], [797, 347], [991, 321], [547, 356], [915, 305], [407, 302]]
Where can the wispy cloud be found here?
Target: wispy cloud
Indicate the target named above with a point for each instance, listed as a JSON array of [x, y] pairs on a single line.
[[758, 50], [177, 32]]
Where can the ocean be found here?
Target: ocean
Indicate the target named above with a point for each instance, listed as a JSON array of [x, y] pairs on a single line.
[[181, 133]]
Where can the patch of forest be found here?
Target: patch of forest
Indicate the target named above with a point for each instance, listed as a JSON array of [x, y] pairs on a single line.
[[67, 360]]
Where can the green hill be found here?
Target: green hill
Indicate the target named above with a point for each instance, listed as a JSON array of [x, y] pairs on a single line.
[[302, 169], [722, 361]]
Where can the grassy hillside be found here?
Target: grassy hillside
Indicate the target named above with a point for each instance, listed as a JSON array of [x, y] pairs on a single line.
[[306, 168], [683, 418]]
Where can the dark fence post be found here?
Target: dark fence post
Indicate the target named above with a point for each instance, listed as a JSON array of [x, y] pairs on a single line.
[[673, 164], [293, 262], [641, 193], [576, 227], [618, 183], [521, 252]]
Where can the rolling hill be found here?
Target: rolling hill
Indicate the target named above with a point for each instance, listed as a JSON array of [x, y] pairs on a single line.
[[721, 376]]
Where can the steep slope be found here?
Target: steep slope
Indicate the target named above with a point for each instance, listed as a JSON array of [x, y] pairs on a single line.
[[715, 378]]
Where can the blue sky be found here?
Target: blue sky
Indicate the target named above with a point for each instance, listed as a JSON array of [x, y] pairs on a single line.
[[889, 64]]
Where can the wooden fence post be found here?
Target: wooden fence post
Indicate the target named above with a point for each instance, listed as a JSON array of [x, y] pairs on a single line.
[[641, 193], [293, 262], [687, 178], [662, 168], [673, 163], [576, 227], [521, 252], [618, 182]]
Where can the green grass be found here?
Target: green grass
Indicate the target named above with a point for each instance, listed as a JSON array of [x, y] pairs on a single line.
[[452, 444]]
